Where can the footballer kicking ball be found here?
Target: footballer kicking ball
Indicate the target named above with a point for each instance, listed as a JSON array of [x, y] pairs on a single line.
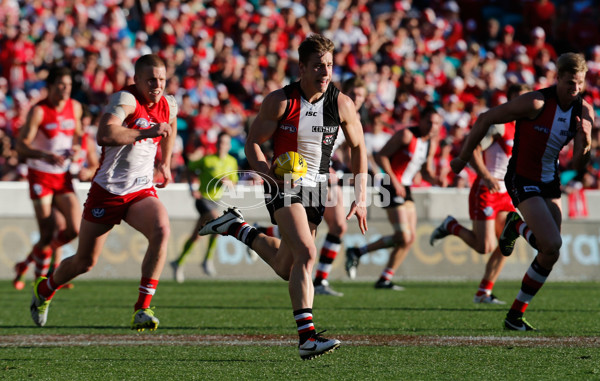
[[290, 163]]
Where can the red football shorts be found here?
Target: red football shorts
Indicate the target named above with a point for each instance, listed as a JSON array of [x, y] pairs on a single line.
[[484, 205], [103, 207], [43, 183]]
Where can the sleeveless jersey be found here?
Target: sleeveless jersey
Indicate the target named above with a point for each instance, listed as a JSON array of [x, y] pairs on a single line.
[[497, 155], [406, 162], [55, 134], [129, 168], [539, 141], [309, 128]]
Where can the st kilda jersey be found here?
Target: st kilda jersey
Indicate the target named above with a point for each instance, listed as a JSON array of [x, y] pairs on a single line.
[[309, 128], [539, 141], [408, 161]]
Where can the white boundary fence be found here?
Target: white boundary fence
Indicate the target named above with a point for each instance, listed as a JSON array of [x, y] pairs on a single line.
[[451, 259]]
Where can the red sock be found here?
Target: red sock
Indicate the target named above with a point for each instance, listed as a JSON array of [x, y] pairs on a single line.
[[42, 260], [387, 274], [47, 288], [59, 240], [146, 291], [454, 227], [485, 287]]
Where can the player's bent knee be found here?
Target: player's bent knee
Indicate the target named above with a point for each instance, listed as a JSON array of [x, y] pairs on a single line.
[[161, 233], [551, 246], [84, 265], [71, 234], [402, 238], [483, 248], [283, 273], [338, 229]]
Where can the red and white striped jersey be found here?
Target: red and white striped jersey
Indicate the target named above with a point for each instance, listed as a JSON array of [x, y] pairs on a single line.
[[497, 155], [539, 141], [129, 168], [55, 134], [309, 128], [409, 160]]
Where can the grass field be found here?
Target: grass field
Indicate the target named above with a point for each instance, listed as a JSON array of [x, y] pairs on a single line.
[[221, 330]]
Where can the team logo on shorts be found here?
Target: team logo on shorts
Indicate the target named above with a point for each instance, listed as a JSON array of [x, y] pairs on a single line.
[[98, 212], [142, 123], [488, 210], [37, 189], [531, 188]]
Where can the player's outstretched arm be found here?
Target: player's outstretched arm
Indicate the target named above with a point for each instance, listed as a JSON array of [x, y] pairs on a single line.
[[524, 106], [358, 158]]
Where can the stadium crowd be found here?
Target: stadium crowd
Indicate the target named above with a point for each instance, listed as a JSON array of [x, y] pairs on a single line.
[[224, 56]]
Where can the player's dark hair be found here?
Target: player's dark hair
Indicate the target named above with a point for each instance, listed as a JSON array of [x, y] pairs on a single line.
[[57, 73], [429, 108], [315, 43], [352, 83], [515, 89]]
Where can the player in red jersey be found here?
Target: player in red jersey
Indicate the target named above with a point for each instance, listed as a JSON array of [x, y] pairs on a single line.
[[489, 202], [49, 140], [546, 121], [305, 117], [137, 119]]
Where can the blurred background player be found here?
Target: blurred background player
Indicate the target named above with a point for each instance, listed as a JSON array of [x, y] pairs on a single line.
[[546, 121], [489, 202], [408, 152], [213, 172], [304, 116], [49, 140], [137, 120], [335, 215]]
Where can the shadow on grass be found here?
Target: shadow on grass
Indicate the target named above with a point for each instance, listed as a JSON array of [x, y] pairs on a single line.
[[483, 309]]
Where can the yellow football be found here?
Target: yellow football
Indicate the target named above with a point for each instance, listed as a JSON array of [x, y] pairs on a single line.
[[290, 162]]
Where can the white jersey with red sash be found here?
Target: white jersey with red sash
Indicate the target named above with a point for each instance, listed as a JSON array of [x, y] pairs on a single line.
[[406, 162], [55, 134], [129, 168], [539, 141], [310, 129]]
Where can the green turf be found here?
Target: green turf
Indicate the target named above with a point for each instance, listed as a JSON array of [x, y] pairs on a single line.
[[252, 308]]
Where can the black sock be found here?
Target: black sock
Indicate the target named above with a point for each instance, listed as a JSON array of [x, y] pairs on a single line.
[[305, 325], [243, 232]]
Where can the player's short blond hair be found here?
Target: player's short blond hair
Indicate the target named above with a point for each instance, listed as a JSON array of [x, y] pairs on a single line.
[[572, 63], [148, 60]]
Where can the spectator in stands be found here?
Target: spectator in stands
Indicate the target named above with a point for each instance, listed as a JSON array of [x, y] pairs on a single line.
[[537, 43], [252, 48]]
